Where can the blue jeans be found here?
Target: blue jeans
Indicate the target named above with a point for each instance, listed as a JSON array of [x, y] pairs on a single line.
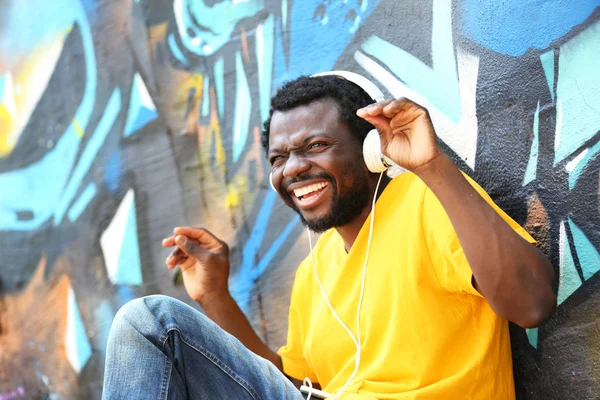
[[161, 348]]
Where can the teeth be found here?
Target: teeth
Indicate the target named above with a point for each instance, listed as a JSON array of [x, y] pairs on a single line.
[[309, 189]]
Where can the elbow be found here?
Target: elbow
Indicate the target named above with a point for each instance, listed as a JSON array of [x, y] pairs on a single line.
[[538, 314]]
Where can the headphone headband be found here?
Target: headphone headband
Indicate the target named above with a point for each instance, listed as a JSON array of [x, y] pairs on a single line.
[[359, 80]]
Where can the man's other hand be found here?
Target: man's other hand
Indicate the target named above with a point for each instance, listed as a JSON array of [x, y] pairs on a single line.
[[204, 262]]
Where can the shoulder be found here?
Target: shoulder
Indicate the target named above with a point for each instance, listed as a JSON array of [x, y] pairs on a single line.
[[406, 190], [407, 183]]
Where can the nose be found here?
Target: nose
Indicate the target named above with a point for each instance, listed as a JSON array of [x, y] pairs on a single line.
[[295, 166]]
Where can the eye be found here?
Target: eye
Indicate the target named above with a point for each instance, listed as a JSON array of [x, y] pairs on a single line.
[[317, 145], [274, 160]]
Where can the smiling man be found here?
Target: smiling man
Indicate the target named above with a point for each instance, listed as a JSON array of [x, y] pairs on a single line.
[[317, 166], [423, 316]]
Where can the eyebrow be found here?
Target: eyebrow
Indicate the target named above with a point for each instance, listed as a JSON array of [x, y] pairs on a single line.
[[306, 140]]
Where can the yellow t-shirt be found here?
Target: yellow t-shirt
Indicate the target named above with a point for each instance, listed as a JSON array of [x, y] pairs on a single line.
[[426, 333]]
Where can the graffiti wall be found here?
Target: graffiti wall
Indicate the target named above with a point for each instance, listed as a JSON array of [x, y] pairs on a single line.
[[120, 120]]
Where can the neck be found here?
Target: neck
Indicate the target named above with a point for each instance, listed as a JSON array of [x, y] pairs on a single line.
[[350, 231]]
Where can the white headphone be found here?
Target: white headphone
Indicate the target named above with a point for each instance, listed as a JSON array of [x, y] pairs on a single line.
[[374, 159]]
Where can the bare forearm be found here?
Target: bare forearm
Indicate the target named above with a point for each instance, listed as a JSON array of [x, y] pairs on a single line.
[[224, 311], [514, 276]]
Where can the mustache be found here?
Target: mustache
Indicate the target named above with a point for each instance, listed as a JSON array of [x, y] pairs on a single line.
[[321, 175]]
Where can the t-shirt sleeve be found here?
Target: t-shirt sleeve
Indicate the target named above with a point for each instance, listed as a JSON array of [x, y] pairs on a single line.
[[447, 256], [292, 353]]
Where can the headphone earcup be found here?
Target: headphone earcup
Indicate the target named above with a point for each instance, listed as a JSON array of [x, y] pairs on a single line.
[[271, 182], [374, 159]]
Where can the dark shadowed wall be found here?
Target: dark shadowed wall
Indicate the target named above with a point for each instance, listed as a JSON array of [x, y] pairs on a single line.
[[120, 120]]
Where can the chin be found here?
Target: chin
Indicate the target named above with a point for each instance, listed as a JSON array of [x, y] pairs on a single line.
[[317, 225]]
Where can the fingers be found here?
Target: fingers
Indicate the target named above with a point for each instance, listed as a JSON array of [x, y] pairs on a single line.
[[176, 257], [374, 114], [185, 254], [395, 107], [190, 247], [205, 238], [388, 108], [169, 242], [192, 244], [373, 109]]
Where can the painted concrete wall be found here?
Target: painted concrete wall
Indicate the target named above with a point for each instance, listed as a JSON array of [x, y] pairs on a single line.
[[122, 119]]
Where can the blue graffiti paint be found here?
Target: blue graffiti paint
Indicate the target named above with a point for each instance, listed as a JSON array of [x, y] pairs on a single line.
[[4, 79], [46, 180], [258, 231], [204, 28], [243, 106], [129, 267], [219, 71], [103, 314], [82, 202], [578, 92], [175, 49], [513, 26], [242, 282], [321, 44], [576, 172], [113, 171], [586, 252], [284, 16], [50, 19], [125, 293], [265, 37], [272, 251], [80, 351], [141, 108], [205, 96], [532, 336], [89, 154], [279, 63], [531, 171], [38, 187], [547, 60], [569, 278], [438, 83]]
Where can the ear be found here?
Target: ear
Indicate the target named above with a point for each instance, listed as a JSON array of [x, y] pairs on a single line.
[[271, 182]]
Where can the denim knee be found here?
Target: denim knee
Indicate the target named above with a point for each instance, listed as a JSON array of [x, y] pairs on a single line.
[[138, 314], [157, 311]]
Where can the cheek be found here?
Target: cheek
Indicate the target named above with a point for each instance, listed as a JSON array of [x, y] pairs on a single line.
[[353, 170], [275, 177]]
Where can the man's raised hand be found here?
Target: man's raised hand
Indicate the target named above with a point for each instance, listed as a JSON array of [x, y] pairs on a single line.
[[204, 262], [406, 132]]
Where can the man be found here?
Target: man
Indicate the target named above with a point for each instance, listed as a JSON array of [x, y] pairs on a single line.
[[446, 270]]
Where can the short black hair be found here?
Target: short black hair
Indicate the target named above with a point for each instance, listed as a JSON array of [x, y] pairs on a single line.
[[304, 90]]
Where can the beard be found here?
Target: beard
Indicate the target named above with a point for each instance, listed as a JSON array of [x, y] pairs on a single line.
[[344, 207]]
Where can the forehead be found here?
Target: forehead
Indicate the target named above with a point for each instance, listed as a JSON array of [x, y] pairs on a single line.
[[320, 116]]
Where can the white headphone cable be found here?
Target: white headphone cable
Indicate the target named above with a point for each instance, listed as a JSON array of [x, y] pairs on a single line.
[[356, 339]]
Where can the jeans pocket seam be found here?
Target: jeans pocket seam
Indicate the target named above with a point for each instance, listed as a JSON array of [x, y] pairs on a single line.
[[215, 360], [164, 387]]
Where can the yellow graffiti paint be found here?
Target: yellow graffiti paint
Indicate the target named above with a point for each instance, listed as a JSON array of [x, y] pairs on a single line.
[[235, 191], [233, 197], [6, 124], [78, 129], [220, 150], [30, 79]]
